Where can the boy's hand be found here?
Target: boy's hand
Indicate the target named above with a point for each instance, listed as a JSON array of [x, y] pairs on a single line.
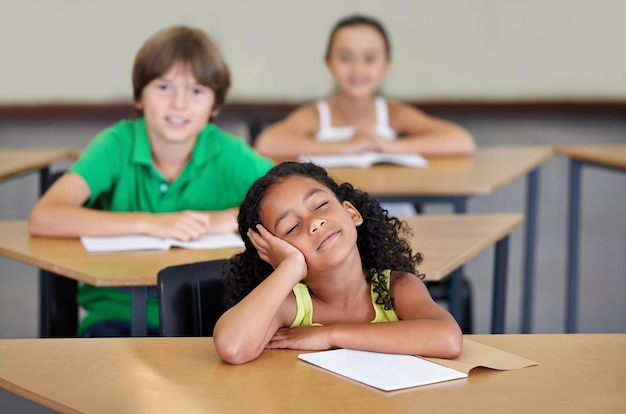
[[275, 250], [183, 225]]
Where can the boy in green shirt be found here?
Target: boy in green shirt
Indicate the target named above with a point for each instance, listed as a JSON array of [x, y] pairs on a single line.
[[169, 173]]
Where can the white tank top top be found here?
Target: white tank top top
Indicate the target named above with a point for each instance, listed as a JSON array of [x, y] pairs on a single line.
[[329, 133]]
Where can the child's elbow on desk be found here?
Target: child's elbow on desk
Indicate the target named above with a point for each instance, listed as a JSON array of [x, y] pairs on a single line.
[[452, 347], [231, 351], [36, 225]]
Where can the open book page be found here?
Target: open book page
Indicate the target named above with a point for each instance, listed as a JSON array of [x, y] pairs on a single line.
[[139, 242], [393, 372], [365, 159], [384, 371], [479, 355]]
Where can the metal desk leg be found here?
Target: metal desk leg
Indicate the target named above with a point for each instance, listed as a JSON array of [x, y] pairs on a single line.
[[460, 205], [139, 323], [45, 327], [528, 287], [572, 246], [455, 301], [498, 309]]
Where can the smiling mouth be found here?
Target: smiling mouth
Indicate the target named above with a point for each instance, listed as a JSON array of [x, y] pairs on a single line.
[[328, 239], [176, 120]]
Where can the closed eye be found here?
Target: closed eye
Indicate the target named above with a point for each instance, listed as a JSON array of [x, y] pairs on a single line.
[[321, 205], [291, 230]]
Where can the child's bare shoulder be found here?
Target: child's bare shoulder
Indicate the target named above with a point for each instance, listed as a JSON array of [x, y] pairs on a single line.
[[305, 117], [398, 108], [401, 278]]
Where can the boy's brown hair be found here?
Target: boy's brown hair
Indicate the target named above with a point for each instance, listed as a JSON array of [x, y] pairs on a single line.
[[189, 46]]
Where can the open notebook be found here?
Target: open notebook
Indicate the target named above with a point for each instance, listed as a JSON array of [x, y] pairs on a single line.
[[390, 372], [365, 159], [139, 242]]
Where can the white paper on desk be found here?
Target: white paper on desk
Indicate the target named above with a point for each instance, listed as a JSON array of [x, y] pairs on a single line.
[[384, 371], [365, 159], [139, 242]]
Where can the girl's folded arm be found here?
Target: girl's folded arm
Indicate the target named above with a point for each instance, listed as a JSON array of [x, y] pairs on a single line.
[[294, 135], [428, 135], [424, 328], [242, 332]]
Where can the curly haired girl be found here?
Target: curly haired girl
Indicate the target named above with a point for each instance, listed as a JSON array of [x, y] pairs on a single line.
[[322, 262]]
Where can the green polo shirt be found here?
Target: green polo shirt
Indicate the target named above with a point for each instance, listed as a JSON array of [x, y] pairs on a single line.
[[118, 168]]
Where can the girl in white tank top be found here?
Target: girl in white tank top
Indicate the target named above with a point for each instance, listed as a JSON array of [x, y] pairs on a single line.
[[329, 133], [358, 57]]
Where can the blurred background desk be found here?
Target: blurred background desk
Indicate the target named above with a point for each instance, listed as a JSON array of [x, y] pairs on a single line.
[[456, 179], [447, 241], [18, 161], [609, 157]]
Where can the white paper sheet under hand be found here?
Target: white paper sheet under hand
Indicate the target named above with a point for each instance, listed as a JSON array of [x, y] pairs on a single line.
[[384, 371]]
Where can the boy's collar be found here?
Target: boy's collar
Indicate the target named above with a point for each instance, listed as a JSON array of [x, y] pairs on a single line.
[[201, 152]]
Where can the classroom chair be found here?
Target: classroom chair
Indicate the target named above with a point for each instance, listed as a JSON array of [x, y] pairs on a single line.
[[256, 125], [190, 298], [58, 310]]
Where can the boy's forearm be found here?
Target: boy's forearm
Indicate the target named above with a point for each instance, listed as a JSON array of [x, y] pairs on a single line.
[[69, 221]]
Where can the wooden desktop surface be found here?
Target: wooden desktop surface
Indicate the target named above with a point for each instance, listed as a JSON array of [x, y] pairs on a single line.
[[578, 374], [16, 161], [447, 241], [613, 155], [483, 173]]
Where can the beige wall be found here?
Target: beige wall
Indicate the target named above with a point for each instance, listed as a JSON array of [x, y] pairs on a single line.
[[82, 50]]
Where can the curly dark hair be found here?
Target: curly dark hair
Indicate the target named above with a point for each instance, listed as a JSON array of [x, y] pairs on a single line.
[[379, 239]]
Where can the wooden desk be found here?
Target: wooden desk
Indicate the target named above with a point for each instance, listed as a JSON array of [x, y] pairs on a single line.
[[456, 179], [610, 156], [18, 161], [578, 374], [447, 241]]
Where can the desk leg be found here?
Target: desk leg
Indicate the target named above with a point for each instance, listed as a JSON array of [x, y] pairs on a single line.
[[45, 327], [528, 288], [498, 310], [455, 301], [572, 246], [139, 324]]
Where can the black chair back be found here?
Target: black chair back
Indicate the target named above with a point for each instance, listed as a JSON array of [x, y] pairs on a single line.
[[190, 298]]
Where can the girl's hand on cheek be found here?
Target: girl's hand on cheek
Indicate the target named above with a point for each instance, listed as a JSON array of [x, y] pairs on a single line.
[[275, 250]]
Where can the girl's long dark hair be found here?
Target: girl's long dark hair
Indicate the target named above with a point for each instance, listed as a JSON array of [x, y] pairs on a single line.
[[380, 239]]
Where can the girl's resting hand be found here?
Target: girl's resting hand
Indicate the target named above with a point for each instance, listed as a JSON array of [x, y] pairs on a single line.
[[275, 250], [376, 142], [313, 338]]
